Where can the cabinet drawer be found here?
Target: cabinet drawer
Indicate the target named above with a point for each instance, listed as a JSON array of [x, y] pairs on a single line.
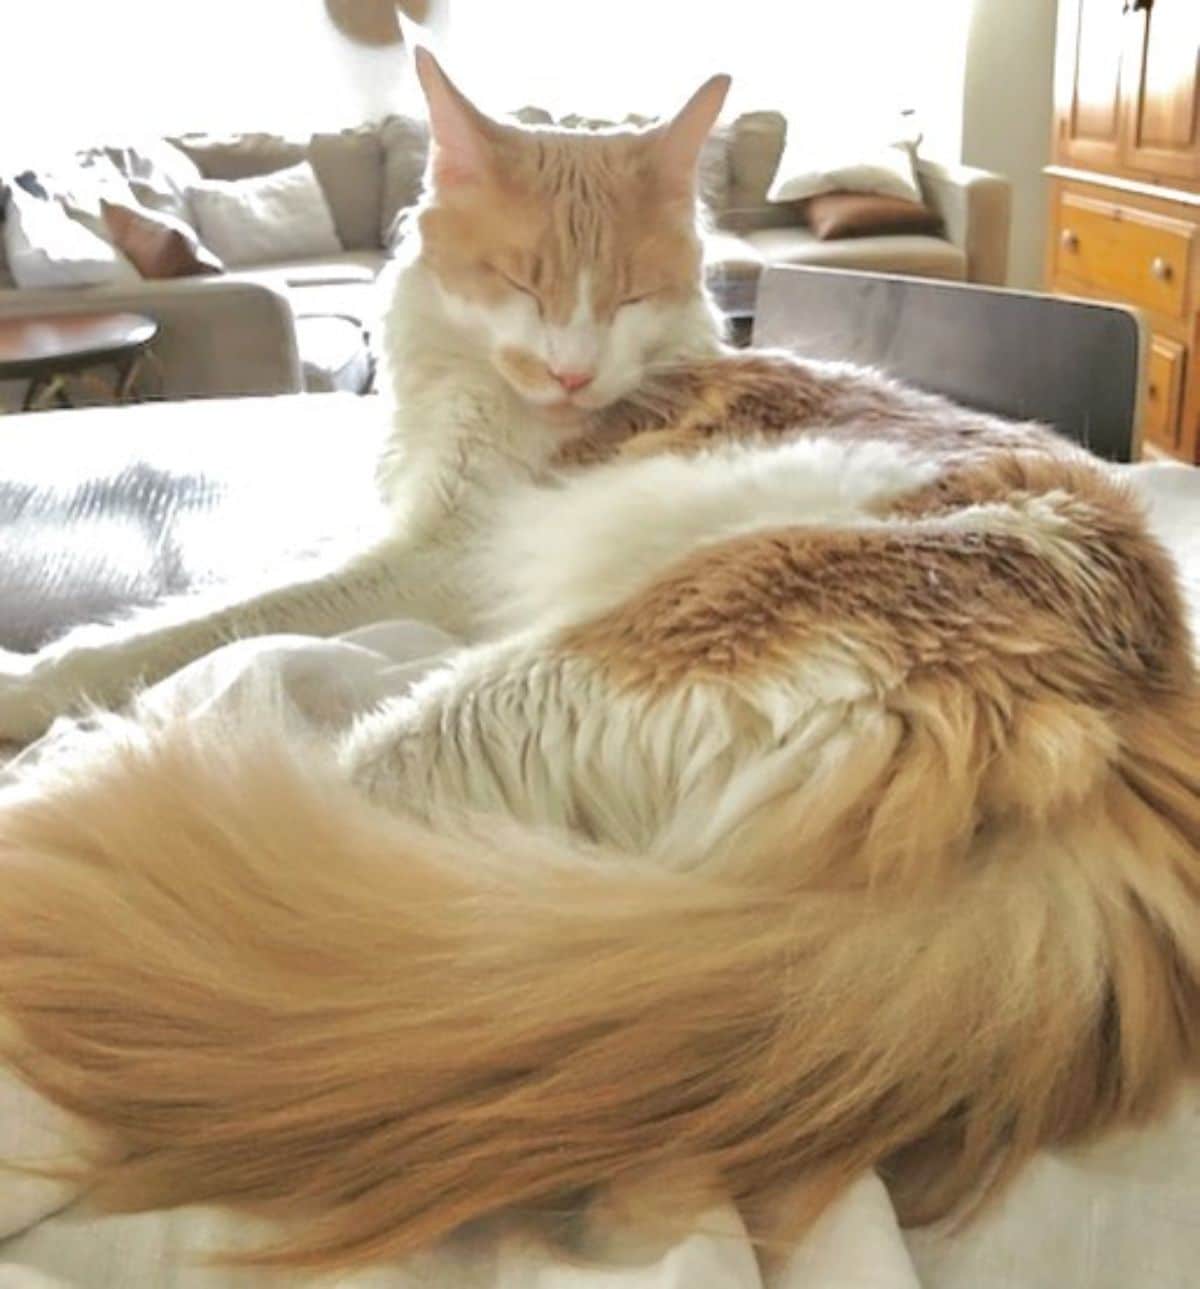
[[1141, 257], [1165, 364]]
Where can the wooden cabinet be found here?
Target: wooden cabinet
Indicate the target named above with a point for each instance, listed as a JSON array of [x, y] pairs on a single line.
[[1125, 188]]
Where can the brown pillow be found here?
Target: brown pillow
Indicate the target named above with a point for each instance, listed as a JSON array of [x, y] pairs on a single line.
[[158, 245], [862, 214]]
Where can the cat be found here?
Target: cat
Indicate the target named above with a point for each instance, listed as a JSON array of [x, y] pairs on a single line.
[[822, 792]]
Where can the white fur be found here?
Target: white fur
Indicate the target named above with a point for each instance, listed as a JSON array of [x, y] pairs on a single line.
[[578, 344], [510, 731], [570, 549]]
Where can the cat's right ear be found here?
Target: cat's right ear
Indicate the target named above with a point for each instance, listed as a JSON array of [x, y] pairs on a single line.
[[459, 131]]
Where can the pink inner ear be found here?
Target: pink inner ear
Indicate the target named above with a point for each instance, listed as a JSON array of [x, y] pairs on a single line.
[[456, 126], [685, 135]]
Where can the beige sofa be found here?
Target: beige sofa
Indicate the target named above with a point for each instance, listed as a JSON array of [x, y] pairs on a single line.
[[286, 326]]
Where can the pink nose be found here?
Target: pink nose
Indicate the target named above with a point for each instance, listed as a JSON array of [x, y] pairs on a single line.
[[573, 380]]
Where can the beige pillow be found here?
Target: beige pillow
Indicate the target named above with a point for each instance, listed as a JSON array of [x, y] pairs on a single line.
[[280, 216], [816, 162]]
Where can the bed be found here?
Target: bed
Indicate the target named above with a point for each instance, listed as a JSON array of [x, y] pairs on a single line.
[[104, 508]]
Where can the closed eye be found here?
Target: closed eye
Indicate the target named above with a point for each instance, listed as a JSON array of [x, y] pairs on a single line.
[[640, 298], [515, 283], [519, 286]]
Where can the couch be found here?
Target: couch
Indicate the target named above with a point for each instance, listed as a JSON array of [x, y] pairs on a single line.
[[286, 326]]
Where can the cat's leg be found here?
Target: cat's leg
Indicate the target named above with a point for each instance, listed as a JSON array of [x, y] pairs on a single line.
[[104, 663]]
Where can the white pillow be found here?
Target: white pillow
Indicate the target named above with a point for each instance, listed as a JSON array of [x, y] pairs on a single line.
[[47, 248], [279, 216], [812, 165], [79, 184]]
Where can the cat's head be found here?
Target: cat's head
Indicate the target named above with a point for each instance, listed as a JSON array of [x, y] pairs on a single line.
[[572, 257]]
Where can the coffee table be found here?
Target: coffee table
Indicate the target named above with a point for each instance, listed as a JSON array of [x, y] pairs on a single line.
[[46, 349]]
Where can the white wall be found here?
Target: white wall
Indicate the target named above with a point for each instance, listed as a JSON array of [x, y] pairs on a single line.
[[76, 68], [821, 60], [1008, 112]]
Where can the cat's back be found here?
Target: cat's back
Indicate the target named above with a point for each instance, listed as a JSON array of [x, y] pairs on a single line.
[[756, 486], [759, 398]]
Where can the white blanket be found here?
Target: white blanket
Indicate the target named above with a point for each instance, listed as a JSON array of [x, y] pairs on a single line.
[[1124, 1214]]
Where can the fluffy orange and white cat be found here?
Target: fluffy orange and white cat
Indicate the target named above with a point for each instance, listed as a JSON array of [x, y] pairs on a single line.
[[823, 792]]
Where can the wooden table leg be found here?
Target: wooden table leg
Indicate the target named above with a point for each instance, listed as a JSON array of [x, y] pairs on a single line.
[[127, 374], [45, 388]]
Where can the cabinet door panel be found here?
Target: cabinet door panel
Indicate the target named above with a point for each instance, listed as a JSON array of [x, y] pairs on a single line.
[[1092, 37], [1163, 99], [1165, 362]]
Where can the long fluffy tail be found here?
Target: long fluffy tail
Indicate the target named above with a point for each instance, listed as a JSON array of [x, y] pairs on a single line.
[[274, 995]]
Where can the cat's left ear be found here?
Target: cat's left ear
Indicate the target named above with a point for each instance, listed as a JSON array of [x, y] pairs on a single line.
[[683, 137], [459, 131]]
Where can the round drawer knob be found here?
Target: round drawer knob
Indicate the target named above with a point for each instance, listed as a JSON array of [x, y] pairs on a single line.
[[1161, 268], [1069, 240]]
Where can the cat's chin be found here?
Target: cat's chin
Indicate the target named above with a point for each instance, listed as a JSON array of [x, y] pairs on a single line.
[[556, 411], [562, 413]]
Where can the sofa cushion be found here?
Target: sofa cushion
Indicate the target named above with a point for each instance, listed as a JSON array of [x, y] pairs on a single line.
[[349, 168], [756, 141], [249, 221], [405, 141], [241, 156], [323, 270], [336, 286], [909, 254]]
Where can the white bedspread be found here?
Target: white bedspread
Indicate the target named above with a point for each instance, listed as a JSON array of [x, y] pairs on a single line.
[[1123, 1214]]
